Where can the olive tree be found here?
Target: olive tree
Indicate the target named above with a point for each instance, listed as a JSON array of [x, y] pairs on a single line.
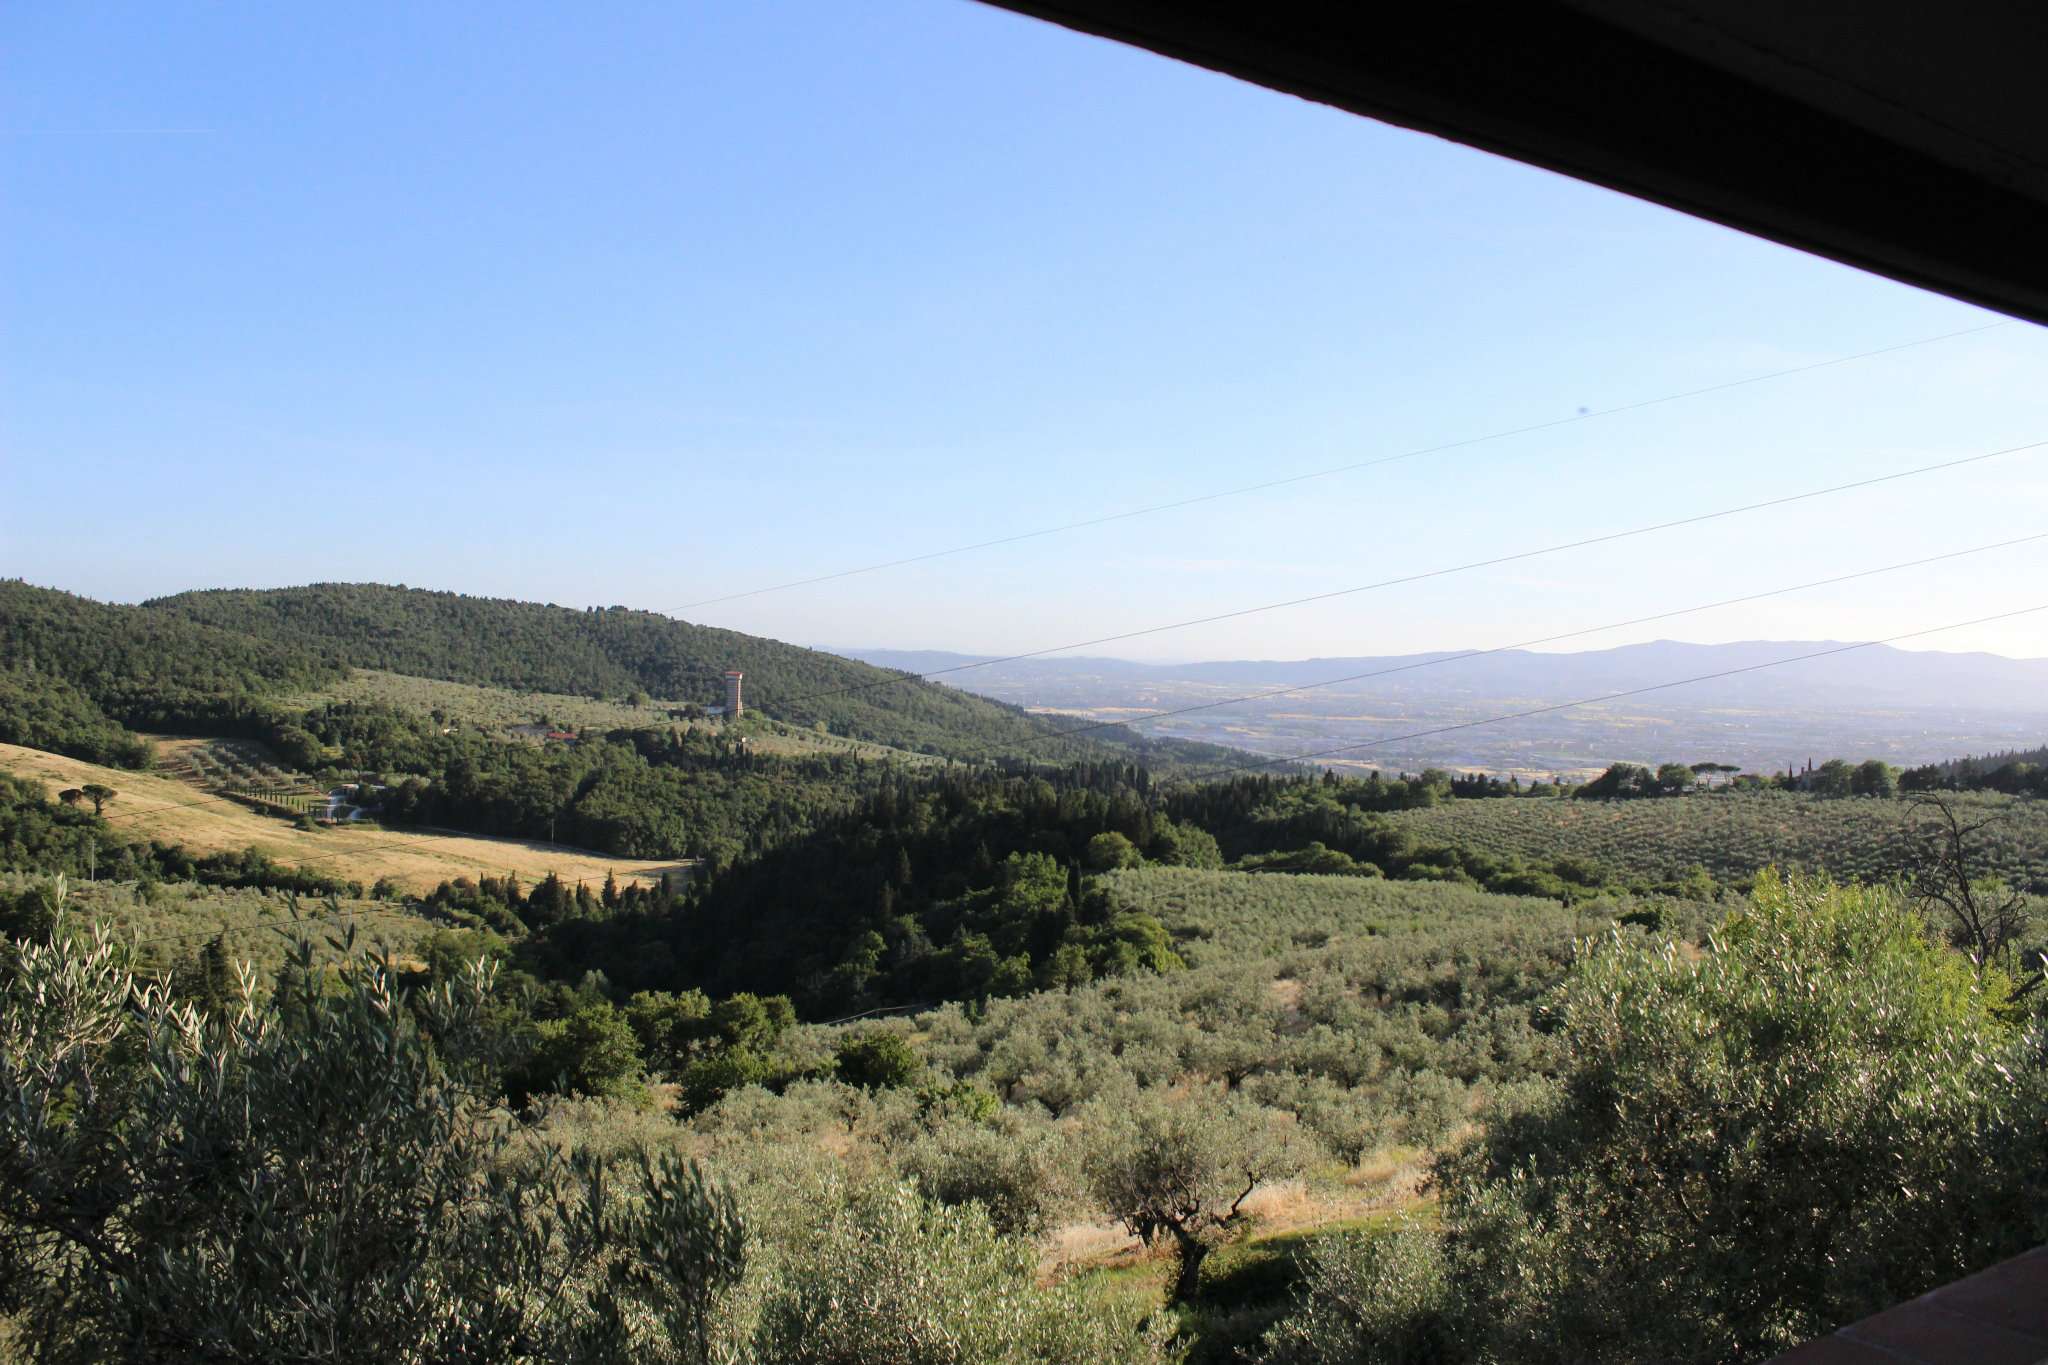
[[877, 1059], [1012, 1170], [875, 1275], [1826, 1112], [1380, 1295], [1985, 917], [1109, 851], [1183, 1167], [314, 1177]]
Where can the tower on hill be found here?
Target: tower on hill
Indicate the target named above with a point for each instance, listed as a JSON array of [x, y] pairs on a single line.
[[732, 692]]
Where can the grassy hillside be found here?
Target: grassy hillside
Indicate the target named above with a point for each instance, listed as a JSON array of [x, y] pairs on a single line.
[[612, 652], [1731, 834]]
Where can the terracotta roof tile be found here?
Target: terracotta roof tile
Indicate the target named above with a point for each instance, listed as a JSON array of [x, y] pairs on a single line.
[[2012, 1294], [1836, 1351], [1996, 1317], [1925, 1330]]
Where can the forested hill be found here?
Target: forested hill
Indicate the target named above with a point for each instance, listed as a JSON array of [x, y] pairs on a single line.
[[74, 672], [614, 651], [112, 652]]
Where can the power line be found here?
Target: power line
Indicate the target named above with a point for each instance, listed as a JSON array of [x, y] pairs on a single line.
[[1493, 562], [1530, 644], [1336, 469], [1609, 696]]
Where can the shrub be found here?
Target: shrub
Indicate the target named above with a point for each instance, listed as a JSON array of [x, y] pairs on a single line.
[[1132, 943], [890, 1279], [665, 1024], [1186, 845], [962, 1100], [1382, 1295], [708, 1080], [1651, 916], [1012, 1174], [592, 1052], [878, 1060], [1109, 851]]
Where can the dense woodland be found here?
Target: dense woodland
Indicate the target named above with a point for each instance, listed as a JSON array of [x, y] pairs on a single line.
[[655, 792], [141, 670], [43, 711], [1427, 1068], [2014, 772]]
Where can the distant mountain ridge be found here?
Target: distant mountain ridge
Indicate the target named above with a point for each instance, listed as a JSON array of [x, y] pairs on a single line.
[[1875, 675]]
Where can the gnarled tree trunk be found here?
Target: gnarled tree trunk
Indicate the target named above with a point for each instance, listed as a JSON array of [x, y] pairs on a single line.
[[1193, 1251]]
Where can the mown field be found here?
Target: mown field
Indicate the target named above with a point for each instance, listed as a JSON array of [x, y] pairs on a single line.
[[152, 807], [1733, 835]]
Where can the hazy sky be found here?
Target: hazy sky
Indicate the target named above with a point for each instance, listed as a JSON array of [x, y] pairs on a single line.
[[646, 304]]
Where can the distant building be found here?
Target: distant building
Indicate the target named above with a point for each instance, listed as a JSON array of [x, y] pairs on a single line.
[[733, 706]]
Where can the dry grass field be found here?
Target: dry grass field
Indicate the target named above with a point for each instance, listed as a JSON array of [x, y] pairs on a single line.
[[153, 807]]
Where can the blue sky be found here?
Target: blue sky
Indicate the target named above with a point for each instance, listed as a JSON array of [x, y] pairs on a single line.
[[646, 304]]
